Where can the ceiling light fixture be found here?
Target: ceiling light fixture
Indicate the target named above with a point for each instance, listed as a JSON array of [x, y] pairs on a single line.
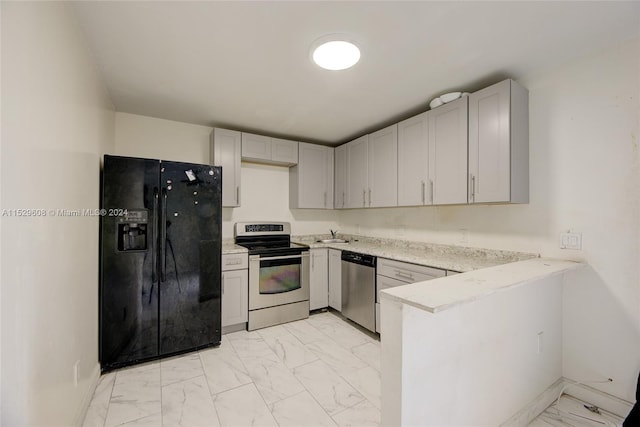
[[335, 53]]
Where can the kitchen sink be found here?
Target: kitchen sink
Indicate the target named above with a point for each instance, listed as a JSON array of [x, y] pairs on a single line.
[[333, 241]]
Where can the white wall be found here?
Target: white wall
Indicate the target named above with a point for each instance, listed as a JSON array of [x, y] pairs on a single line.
[[472, 364], [264, 188], [140, 136], [585, 176], [57, 120]]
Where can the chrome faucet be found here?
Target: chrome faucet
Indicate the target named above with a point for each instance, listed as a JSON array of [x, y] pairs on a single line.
[[334, 234]]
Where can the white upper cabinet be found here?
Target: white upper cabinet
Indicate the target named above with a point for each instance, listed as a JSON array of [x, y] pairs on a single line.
[[255, 147], [383, 167], [284, 151], [414, 186], [264, 149], [226, 152], [340, 177], [499, 144], [311, 180], [448, 152], [357, 172]]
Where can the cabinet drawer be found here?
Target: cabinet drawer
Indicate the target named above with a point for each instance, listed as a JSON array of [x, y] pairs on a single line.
[[235, 261], [408, 273], [383, 282]]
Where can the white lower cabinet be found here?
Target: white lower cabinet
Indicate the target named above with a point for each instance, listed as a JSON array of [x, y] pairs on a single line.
[[335, 279], [235, 289], [319, 279], [392, 273]]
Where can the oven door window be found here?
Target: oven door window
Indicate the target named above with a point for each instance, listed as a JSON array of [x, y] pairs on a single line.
[[280, 275]]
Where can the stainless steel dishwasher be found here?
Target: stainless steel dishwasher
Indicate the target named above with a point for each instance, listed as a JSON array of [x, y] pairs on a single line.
[[359, 288]]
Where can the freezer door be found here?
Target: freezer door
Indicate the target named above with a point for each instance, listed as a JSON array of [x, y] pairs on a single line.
[[190, 256], [128, 286]]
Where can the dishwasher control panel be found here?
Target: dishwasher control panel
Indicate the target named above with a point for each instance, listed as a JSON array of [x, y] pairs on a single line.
[[356, 258]]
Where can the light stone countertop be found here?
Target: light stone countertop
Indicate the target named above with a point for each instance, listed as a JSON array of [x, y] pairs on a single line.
[[229, 247], [448, 257], [440, 294]]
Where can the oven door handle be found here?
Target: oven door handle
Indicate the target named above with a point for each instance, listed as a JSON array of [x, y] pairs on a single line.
[[269, 258]]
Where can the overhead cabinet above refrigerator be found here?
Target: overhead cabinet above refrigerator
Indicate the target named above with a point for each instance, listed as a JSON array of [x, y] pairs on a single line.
[[160, 259]]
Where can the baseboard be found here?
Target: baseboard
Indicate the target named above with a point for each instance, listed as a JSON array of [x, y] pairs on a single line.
[[234, 328], [526, 415], [608, 402], [86, 400], [602, 400]]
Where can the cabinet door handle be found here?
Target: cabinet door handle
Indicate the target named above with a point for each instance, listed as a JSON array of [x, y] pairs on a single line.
[[431, 185], [422, 182], [404, 275], [223, 284], [369, 197], [313, 261], [325, 199], [473, 188], [237, 195], [364, 197], [343, 199]]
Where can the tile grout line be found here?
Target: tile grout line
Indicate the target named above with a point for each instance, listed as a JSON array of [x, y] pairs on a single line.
[[161, 411], [253, 382], [115, 377], [213, 402], [364, 398], [359, 391]]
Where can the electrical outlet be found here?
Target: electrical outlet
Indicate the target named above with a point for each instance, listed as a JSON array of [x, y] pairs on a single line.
[[540, 341], [76, 369], [571, 240]]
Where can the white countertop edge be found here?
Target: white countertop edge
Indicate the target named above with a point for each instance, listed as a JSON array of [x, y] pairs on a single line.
[[441, 294], [229, 247], [463, 261]]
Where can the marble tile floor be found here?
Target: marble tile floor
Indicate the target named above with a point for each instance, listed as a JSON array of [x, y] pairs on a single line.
[[321, 371], [570, 412]]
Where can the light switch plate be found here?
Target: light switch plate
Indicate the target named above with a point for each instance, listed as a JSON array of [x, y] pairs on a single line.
[[571, 241]]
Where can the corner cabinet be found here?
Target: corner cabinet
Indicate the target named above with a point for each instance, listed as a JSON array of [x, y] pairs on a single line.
[[340, 177], [499, 144], [448, 153], [318, 278], [311, 180], [372, 170], [226, 151], [357, 172]]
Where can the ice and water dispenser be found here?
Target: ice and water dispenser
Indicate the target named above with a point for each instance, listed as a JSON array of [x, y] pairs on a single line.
[[132, 230]]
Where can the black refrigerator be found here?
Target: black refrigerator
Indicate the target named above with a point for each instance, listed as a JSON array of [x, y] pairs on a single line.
[[160, 259]]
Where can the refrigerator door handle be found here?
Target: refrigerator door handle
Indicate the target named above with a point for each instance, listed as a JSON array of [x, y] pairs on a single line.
[[154, 246], [163, 236]]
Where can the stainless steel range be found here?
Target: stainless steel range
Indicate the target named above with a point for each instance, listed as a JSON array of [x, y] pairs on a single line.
[[278, 273]]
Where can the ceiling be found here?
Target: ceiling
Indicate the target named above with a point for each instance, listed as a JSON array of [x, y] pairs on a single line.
[[245, 65]]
